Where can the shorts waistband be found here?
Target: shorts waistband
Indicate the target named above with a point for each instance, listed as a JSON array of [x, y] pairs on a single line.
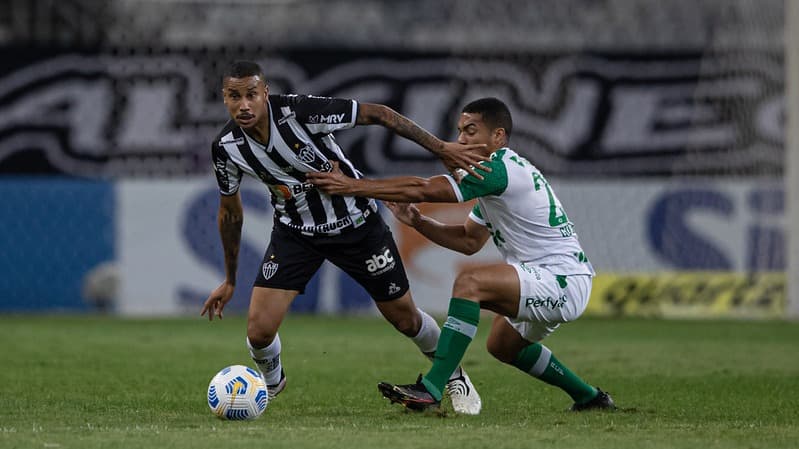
[[370, 215]]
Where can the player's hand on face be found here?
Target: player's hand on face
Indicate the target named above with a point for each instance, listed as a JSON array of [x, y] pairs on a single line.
[[406, 213], [217, 299], [455, 155], [334, 182]]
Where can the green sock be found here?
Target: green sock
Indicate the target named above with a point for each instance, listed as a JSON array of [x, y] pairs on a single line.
[[537, 360], [456, 334]]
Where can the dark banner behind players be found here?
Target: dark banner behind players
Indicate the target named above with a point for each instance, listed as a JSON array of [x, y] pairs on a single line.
[[142, 113]]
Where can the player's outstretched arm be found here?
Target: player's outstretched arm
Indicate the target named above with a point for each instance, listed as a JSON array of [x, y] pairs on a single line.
[[467, 238], [454, 155], [230, 220], [408, 189]]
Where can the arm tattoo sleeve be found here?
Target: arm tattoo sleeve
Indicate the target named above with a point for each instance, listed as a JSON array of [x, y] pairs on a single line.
[[230, 231], [406, 128]]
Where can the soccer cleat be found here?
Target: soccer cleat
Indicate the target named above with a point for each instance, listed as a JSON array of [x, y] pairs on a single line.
[[274, 390], [602, 401], [463, 395], [413, 396]]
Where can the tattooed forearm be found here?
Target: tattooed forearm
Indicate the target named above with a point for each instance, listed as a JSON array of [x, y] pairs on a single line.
[[410, 130], [230, 224], [371, 114]]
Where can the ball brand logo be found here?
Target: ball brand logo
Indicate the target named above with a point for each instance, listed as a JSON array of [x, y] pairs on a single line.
[[237, 386], [380, 263], [269, 269]]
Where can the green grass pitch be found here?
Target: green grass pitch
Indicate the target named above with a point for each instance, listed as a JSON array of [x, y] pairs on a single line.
[[93, 382]]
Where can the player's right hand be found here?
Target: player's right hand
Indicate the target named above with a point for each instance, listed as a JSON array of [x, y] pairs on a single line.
[[406, 213], [457, 156], [217, 299]]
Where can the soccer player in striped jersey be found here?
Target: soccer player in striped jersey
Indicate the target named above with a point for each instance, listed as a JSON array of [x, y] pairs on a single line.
[[279, 140], [544, 281]]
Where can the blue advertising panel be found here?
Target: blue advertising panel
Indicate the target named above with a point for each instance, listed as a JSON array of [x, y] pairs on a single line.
[[53, 231]]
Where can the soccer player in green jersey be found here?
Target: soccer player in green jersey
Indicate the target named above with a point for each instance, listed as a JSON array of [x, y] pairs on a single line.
[[545, 279]]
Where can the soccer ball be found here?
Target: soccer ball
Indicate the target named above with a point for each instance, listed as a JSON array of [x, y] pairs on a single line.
[[237, 392]]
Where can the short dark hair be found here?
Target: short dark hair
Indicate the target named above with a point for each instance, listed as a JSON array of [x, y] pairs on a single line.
[[495, 113], [243, 69]]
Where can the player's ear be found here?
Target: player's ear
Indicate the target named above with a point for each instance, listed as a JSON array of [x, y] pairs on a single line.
[[499, 137]]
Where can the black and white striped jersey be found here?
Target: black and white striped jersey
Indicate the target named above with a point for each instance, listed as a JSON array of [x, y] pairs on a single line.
[[300, 140]]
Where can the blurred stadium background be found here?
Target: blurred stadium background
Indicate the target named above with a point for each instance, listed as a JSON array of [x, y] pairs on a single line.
[[663, 126]]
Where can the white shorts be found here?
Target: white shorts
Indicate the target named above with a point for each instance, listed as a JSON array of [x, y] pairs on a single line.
[[545, 303]]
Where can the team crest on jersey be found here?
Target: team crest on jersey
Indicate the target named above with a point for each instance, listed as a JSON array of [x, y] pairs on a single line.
[[269, 269], [306, 154]]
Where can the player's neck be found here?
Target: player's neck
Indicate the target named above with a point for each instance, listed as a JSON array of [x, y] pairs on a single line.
[[491, 150], [494, 148]]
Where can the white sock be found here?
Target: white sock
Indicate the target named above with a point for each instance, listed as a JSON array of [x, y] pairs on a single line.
[[268, 360], [427, 339]]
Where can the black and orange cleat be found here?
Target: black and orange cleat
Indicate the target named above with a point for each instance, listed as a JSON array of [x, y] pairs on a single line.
[[413, 396]]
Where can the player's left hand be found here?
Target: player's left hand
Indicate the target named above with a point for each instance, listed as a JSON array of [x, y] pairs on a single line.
[[455, 155], [217, 299], [406, 213], [334, 182]]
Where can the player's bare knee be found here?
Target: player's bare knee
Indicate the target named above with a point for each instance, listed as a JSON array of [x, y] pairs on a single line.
[[467, 285], [499, 351], [408, 324], [260, 336], [259, 339], [402, 314]]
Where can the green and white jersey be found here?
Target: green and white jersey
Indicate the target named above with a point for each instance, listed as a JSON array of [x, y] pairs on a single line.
[[525, 218]]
